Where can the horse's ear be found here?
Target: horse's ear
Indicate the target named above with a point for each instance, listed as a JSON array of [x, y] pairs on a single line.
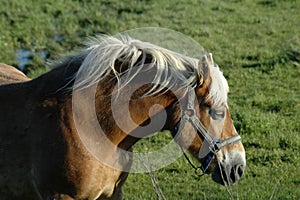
[[203, 68]]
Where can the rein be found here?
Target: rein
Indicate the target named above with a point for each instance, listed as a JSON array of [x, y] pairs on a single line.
[[214, 144]]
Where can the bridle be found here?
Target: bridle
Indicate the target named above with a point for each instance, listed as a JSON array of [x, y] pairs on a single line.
[[214, 144]]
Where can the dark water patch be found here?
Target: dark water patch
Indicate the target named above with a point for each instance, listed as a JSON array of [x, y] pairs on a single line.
[[22, 58], [25, 57], [58, 38]]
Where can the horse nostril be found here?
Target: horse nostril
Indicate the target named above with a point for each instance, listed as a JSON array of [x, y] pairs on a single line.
[[240, 171], [236, 173], [233, 175]]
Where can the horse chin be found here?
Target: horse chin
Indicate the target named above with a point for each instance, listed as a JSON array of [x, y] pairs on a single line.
[[218, 177]]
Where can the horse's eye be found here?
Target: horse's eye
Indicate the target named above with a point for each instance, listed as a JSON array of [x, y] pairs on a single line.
[[217, 113]]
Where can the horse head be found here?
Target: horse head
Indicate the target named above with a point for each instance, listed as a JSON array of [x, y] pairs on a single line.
[[206, 129]]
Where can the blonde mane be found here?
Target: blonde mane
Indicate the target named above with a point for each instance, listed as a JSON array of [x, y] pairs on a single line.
[[219, 88], [171, 68]]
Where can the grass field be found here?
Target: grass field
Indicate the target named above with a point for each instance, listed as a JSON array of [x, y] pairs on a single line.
[[255, 42]]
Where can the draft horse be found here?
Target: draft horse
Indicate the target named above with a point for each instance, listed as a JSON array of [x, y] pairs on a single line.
[[51, 147]]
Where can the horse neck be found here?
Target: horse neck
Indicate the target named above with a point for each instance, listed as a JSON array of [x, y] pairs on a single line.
[[127, 119], [50, 90], [56, 81], [30, 96]]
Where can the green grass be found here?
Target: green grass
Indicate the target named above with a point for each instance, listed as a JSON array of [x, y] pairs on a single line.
[[257, 45]]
